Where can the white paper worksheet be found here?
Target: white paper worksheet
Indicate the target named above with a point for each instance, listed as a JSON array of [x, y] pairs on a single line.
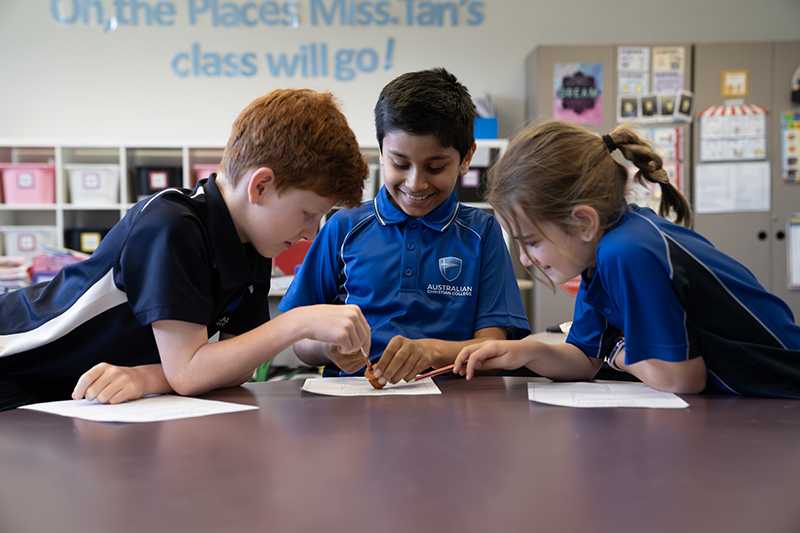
[[359, 386], [602, 394], [152, 409]]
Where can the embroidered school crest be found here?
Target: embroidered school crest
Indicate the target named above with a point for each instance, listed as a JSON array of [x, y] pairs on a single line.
[[450, 268]]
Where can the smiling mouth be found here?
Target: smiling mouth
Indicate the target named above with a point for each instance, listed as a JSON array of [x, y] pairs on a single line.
[[417, 197]]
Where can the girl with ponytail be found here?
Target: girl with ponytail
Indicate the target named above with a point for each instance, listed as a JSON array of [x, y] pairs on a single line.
[[656, 299]]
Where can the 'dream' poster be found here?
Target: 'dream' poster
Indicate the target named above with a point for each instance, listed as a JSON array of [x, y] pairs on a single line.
[[578, 93]]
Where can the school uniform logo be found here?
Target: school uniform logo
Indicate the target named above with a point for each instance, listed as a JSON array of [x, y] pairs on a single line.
[[450, 268]]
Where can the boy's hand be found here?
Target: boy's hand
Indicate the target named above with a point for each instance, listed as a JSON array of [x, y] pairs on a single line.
[[342, 326], [348, 362], [403, 359], [109, 384], [507, 355]]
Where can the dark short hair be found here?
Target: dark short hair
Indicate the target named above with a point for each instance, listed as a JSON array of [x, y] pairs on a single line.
[[428, 102]]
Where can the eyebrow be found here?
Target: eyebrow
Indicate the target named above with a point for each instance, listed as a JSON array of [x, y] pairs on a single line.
[[526, 237], [433, 158]]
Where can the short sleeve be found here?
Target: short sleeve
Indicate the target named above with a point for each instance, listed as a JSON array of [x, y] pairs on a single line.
[[499, 300], [590, 331], [166, 271], [654, 321], [317, 280]]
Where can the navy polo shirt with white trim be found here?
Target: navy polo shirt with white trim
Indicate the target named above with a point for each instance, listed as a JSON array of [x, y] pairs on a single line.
[[674, 296], [174, 256], [444, 275]]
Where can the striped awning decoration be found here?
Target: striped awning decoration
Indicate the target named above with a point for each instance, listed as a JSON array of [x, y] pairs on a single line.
[[733, 110]]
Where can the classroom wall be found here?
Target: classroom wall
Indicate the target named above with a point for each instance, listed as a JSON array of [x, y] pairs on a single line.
[[71, 81]]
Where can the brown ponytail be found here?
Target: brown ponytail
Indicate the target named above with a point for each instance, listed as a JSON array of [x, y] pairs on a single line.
[[551, 168], [651, 169]]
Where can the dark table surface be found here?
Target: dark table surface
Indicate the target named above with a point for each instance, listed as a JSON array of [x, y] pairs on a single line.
[[480, 457]]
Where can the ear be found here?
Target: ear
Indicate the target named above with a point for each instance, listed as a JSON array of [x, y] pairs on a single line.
[[464, 166], [587, 222], [260, 185]]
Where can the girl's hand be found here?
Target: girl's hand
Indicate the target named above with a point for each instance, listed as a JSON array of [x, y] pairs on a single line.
[[490, 355], [110, 384]]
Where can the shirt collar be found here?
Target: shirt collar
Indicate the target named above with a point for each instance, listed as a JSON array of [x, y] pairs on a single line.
[[593, 287], [232, 258], [439, 219]]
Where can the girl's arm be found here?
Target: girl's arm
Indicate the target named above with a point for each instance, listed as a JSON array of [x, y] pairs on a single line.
[[556, 361], [686, 377]]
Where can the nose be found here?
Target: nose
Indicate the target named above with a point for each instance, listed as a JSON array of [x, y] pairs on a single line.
[[525, 260], [310, 230], [416, 181]]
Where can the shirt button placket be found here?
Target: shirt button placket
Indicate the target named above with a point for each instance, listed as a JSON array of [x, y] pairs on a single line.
[[410, 256]]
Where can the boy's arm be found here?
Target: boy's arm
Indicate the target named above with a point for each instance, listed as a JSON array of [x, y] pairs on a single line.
[[315, 353], [113, 384], [312, 353], [404, 358], [194, 366], [109, 383]]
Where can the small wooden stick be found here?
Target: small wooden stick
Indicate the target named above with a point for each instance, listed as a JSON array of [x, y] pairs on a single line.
[[437, 372]]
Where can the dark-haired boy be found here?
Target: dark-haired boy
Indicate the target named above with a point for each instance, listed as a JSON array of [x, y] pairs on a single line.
[[430, 275]]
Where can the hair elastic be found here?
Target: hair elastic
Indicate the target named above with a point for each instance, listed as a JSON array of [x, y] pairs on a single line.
[[610, 144]]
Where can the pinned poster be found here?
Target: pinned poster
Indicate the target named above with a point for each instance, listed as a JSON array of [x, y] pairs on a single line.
[[578, 91], [790, 147], [667, 142], [668, 67], [732, 187], [627, 108], [733, 133], [733, 83], [793, 253], [633, 70]]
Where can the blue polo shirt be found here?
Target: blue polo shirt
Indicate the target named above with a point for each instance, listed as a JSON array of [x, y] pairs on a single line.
[[174, 256], [674, 296], [444, 275]]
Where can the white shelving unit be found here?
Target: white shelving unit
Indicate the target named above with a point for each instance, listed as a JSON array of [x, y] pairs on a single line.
[[64, 214]]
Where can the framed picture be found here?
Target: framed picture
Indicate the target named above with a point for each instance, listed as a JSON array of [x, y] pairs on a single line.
[[649, 106], [684, 105], [666, 105], [628, 108]]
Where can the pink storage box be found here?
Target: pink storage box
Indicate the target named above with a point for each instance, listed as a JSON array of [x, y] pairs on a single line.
[[203, 170], [28, 183]]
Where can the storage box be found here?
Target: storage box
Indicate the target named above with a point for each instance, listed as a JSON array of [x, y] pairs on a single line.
[[486, 128], [27, 241], [84, 240], [93, 184], [28, 183], [153, 179], [471, 187], [201, 171], [45, 267]]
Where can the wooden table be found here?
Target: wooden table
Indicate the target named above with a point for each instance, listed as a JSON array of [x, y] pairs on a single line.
[[480, 458]]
